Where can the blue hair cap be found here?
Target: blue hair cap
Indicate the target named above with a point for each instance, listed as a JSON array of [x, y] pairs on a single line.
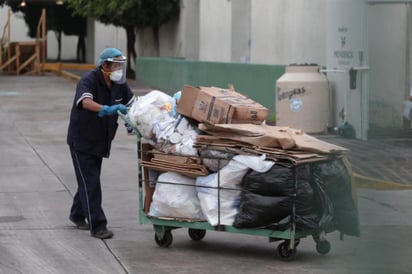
[[108, 53]]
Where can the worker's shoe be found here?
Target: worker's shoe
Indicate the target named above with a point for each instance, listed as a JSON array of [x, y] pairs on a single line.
[[82, 225], [103, 234]]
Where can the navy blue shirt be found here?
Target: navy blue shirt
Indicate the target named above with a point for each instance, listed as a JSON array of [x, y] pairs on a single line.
[[88, 132]]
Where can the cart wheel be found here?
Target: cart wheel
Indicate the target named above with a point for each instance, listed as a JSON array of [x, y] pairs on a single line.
[[196, 234], [323, 247], [285, 252], [166, 241]]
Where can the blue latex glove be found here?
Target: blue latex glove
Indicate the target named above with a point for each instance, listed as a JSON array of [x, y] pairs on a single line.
[[111, 110], [122, 108]]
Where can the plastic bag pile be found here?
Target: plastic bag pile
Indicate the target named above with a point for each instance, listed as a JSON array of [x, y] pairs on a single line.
[[153, 115]]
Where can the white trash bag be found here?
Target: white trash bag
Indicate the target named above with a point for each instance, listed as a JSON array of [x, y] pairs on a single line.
[[175, 196], [221, 206]]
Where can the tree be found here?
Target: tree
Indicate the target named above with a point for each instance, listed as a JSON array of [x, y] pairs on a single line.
[[132, 15], [61, 20]]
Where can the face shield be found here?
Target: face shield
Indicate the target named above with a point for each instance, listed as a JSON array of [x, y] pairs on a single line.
[[118, 69]]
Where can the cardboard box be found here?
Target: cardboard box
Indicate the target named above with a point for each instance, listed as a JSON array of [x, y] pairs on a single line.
[[220, 106]]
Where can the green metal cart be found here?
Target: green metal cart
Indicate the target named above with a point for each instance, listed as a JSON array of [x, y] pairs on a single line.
[[163, 227]]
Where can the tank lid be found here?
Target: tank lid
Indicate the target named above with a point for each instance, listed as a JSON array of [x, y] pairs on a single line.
[[309, 68], [303, 65]]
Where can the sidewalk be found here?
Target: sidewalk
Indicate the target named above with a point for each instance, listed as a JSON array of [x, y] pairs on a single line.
[[37, 185]]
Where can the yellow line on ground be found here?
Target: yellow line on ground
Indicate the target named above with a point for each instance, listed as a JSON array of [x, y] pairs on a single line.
[[362, 181]]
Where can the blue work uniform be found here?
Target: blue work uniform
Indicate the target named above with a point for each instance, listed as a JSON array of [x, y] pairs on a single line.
[[89, 138]]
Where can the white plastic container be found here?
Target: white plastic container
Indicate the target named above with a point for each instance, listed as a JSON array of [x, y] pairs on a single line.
[[303, 99]]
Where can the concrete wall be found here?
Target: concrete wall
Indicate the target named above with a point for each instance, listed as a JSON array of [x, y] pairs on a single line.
[[264, 32], [189, 26], [215, 30], [241, 31], [388, 59], [168, 42], [285, 32]]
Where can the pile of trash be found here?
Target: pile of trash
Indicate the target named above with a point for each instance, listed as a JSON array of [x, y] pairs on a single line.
[[211, 157]]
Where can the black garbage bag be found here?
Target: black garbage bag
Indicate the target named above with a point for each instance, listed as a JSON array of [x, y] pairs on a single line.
[[277, 181], [320, 218], [323, 207], [323, 200], [257, 211], [280, 181], [333, 206], [334, 185]]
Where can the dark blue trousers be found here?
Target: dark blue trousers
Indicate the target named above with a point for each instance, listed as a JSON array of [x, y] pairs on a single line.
[[87, 202]]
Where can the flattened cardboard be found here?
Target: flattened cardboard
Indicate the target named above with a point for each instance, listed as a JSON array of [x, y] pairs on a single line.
[[189, 171], [268, 136], [273, 136], [177, 159]]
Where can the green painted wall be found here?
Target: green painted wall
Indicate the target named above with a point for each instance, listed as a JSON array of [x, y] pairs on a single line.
[[170, 74]]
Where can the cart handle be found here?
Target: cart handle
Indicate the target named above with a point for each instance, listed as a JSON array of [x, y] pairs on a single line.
[[127, 120]]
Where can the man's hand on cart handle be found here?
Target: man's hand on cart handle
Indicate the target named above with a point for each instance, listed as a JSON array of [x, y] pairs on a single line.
[[111, 110]]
